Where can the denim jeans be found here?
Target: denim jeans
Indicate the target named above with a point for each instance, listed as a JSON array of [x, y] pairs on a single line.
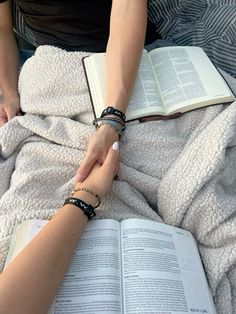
[[24, 55], [159, 43]]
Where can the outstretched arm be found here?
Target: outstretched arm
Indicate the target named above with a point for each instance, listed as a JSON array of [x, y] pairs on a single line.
[[127, 31], [29, 283]]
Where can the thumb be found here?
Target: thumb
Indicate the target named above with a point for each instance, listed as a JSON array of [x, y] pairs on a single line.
[[112, 157], [85, 167]]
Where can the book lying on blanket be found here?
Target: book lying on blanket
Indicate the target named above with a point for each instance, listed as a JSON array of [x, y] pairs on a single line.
[[136, 266], [170, 81]]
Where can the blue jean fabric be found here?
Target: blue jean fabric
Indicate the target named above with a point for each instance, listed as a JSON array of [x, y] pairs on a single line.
[[24, 55], [159, 43]]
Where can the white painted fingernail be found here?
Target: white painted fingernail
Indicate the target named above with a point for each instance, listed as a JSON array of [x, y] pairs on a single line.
[[115, 146]]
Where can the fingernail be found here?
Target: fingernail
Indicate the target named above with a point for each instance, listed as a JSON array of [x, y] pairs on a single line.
[[115, 146], [79, 177]]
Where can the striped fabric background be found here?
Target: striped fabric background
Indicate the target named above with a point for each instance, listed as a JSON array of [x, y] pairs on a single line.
[[210, 24], [19, 26]]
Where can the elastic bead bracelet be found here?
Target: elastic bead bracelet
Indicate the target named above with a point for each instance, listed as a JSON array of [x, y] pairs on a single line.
[[84, 189], [111, 110], [118, 122], [110, 124]]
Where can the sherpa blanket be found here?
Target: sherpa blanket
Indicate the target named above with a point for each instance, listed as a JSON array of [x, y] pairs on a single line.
[[181, 171]]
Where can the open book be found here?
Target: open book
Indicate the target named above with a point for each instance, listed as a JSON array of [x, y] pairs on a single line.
[[170, 80], [134, 267]]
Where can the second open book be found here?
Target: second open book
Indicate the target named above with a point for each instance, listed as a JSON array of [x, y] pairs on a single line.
[[170, 80], [133, 267]]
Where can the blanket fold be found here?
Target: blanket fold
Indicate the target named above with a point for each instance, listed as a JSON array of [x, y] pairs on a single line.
[[179, 171]]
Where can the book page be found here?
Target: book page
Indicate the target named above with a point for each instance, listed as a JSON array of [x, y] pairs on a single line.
[[145, 98], [23, 234], [95, 73], [162, 270], [92, 283], [186, 77]]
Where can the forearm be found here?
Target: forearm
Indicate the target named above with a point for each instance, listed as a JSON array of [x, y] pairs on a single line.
[[127, 32], [30, 282], [8, 63]]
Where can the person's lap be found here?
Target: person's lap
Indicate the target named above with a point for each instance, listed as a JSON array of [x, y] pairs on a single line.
[[25, 54], [159, 43]]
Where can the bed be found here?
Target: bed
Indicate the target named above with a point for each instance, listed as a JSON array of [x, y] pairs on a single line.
[[180, 172]]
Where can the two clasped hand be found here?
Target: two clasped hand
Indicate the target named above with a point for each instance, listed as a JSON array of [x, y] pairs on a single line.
[[9, 108], [99, 144], [101, 176]]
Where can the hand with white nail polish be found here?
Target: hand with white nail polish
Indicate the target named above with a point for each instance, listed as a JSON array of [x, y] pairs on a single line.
[[101, 176], [99, 144]]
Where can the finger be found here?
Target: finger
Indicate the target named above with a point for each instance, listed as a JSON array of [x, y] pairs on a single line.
[[112, 158], [85, 167], [10, 112], [3, 117], [102, 158]]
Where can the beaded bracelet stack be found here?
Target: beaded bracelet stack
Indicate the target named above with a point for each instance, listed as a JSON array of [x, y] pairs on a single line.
[[111, 117], [87, 209]]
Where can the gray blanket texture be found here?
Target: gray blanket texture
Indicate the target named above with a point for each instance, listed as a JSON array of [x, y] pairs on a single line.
[[180, 171]]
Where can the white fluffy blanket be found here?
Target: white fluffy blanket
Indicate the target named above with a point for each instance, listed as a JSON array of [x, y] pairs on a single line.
[[181, 171]]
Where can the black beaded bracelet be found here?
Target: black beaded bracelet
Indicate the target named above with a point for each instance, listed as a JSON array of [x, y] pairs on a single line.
[[87, 209], [107, 119], [110, 124], [115, 112]]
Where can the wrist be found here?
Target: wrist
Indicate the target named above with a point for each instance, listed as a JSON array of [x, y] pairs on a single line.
[[72, 215], [109, 132], [86, 208], [10, 94], [111, 119], [120, 103], [86, 197], [115, 112], [71, 211]]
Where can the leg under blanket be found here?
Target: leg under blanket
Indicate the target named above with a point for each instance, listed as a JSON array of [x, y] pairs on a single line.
[[178, 171]]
